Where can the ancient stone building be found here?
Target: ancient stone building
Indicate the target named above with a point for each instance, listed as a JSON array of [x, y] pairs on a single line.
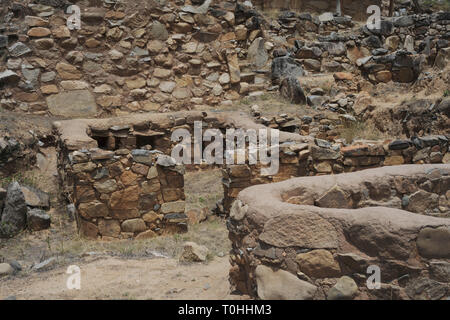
[[120, 175]]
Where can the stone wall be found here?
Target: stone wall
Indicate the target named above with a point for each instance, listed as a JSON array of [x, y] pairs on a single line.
[[124, 141], [314, 238], [120, 177], [398, 51], [323, 158], [125, 193], [122, 60], [167, 57], [355, 8], [403, 37]]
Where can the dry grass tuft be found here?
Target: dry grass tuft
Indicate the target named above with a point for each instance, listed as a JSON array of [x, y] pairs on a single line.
[[360, 130]]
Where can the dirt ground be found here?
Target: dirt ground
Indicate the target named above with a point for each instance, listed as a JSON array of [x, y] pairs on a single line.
[[116, 278], [123, 269]]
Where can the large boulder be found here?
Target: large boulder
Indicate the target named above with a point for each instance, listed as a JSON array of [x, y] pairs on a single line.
[[38, 219], [283, 67], [291, 89], [300, 230], [14, 216], [6, 269], [193, 252], [35, 198], [257, 53], [282, 285]]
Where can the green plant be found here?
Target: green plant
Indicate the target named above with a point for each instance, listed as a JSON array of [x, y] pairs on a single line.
[[127, 251], [209, 257], [245, 101], [446, 93], [265, 97], [177, 237]]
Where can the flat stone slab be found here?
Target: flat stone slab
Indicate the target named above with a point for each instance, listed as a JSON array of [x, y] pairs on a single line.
[[79, 103]]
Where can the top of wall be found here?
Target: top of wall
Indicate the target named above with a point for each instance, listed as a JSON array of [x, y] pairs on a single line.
[[75, 134]]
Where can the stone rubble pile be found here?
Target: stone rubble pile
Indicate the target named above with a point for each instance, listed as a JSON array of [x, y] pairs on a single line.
[[398, 51]]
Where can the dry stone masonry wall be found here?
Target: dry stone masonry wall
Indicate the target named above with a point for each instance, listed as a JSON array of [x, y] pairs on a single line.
[[120, 177], [126, 194], [166, 56], [125, 57], [101, 161], [315, 238], [322, 158]]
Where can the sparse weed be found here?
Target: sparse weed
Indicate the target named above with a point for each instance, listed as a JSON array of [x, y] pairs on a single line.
[[437, 4], [360, 130], [29, 180]]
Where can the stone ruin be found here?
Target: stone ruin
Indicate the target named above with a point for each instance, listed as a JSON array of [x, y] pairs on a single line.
[[118, 63], [315, 230], [119, 177], [119, 174]]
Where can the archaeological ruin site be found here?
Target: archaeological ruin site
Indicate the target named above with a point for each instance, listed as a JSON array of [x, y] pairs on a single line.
[[328, 122]]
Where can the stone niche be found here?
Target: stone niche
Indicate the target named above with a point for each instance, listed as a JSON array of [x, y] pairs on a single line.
[[354, 8], [320, 235]]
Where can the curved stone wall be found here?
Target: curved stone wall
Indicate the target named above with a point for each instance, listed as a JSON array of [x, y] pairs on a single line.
[[324, 236]]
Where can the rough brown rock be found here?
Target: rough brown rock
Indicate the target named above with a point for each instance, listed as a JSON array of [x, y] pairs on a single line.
[[282, 285], [318, 264]]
